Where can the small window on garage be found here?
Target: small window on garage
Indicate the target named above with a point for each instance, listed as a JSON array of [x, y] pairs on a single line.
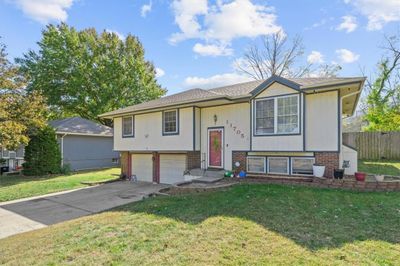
[[302, 166], [278, 165], [170, 122], [256, 164], [127, 126]]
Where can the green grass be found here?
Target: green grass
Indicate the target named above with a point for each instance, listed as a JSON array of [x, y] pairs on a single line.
[[17, 187], [382, 167], [246, 224]]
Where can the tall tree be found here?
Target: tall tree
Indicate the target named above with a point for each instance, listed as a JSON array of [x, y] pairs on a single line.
[[383, 100], [277, 55], [85, 73], [21, 113]]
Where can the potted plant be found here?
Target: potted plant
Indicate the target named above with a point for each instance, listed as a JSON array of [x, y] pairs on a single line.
[[360, 176], [338, 173], [379, 178], [318, 170]]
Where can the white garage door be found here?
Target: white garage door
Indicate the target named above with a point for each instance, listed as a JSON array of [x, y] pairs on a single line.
[[172, 167], [142, 167]]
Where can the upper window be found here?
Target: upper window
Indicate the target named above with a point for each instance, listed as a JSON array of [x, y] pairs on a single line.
[[279, 115], [127, 126], [170, 122]]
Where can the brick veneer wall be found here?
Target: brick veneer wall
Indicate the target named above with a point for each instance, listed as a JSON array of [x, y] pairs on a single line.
[[156, 167], [193, 160], [239, 156], [125, 163], [329, 159]]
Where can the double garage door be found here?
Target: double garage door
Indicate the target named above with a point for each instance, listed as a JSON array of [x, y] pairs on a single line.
[[171, 167]]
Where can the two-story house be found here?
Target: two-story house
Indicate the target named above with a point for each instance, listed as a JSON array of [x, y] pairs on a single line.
[[276, 126]]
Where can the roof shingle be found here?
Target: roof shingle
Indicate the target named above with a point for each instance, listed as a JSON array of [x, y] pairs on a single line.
[[231, 91]]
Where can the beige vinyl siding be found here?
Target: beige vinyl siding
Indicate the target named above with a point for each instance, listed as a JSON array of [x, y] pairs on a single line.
[[148, 133], [275, 89], [234, 118], [322, 121]]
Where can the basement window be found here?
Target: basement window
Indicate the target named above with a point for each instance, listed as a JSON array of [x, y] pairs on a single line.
[[302, 166], [256, 164], [278, 165]]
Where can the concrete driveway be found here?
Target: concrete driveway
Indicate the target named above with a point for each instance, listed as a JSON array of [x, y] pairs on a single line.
[[27, 215]]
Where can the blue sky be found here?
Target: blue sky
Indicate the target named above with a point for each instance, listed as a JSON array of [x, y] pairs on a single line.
[[194, 43]]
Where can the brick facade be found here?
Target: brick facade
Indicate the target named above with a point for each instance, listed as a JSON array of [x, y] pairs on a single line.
[[241, 157], [193, 160], [329, 159], [125, 163]]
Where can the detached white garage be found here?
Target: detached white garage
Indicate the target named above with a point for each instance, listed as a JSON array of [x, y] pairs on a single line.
[[142, 167], [172, 167]]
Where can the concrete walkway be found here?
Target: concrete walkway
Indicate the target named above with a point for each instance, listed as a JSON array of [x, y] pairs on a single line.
[[31, 214]]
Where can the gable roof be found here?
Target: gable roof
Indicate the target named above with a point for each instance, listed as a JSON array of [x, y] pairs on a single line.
[[235, 91], [80, 126]]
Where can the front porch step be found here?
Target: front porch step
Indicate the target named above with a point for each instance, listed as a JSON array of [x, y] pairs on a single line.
[[206, 176]]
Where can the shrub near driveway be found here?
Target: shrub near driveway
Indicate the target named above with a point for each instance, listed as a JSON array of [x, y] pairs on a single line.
[[17, 187], [245, 224]]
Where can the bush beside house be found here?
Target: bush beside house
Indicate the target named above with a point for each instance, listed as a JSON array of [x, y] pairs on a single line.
[[42, 154]]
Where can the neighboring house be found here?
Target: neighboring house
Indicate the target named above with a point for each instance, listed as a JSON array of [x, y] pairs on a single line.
[[12, 159], [85, 144], [275, 126]]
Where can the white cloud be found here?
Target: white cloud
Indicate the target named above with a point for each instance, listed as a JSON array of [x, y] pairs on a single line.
[[159, 72], [349, 24], [219, 24], [315, 57], [239, 18], [120, 35], [146, 9], [347, 56], [212, 50], [45, 10], [186, 12], [215, 81], [378, 12]]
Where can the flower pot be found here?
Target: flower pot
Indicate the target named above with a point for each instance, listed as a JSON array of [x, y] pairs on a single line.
[[360, 176], [379, 178], [318, 170], [338, 173]]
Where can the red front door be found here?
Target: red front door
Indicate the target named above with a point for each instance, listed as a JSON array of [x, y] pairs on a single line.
[[215, 148]]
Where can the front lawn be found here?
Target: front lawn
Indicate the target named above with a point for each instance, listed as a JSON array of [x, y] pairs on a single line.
[[246, 224], [382, 167], [17, 187]]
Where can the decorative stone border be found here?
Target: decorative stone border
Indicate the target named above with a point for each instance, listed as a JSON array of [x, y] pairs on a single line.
[[348, 184], [329, 183]]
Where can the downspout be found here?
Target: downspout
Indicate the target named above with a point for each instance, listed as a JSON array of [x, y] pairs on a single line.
[[62, 150]]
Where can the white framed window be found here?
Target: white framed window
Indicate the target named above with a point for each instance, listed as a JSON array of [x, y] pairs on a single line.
[[256, 164], [302, 165], [127, 126], [5, 153], [278, 165], [278, 115], [170, 122], [264, 118]]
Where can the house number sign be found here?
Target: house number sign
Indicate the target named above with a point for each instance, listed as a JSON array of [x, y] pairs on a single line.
[[236, 129]]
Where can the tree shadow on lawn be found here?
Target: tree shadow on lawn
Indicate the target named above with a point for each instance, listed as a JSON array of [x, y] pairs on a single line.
[[313, 218]]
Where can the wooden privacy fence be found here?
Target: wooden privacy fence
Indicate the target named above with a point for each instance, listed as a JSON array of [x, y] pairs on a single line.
[[374, 145]]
